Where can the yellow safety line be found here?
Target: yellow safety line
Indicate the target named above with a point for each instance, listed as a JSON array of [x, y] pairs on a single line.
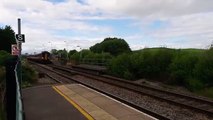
[[87, 115]]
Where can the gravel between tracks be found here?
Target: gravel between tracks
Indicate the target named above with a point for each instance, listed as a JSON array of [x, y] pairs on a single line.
[[172, 111], [57, 77]]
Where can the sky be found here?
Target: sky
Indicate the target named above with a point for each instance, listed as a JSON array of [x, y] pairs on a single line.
[[79, 24]]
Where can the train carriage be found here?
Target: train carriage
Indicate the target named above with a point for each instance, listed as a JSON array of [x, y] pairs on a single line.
[[43, 58]]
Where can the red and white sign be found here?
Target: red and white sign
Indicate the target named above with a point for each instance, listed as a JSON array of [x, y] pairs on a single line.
[[15, 50]]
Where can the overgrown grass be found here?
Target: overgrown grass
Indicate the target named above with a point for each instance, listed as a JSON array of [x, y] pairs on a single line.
[[208, 92], [29, 75]]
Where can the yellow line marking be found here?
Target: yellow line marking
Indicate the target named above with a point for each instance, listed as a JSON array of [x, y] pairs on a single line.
[[87, 115]]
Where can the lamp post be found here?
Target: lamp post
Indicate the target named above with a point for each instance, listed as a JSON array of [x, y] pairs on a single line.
[[43, 47], [67, 49], [50, 45], [80, 53]]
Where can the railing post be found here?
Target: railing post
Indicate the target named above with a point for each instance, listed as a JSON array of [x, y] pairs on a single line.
[[11, 89]]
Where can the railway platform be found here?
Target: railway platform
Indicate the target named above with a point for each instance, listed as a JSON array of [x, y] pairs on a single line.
[[44, 103], [76, 102]]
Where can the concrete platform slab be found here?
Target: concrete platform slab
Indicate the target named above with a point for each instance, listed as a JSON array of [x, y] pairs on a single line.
[[44, 103], [99, 106]]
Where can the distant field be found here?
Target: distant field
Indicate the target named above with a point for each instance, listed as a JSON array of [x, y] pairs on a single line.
[[193, 50]]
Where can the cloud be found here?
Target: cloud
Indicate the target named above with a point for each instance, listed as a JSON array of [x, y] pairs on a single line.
[[153, 8], [197, 28], [178, 21]]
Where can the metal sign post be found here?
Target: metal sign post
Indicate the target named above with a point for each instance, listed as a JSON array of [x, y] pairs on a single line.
[[20, 37]]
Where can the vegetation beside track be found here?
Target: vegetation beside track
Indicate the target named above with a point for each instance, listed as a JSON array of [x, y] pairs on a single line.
[[191, 68], [29, 74], [3, 57]]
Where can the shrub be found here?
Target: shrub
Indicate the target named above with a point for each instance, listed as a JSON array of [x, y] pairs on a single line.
[[154, 63], [194, 84], [204, 68], [29, 75], [75, 57], [145, 63], [88, 57], [208, 92], [121, 66], [97, 58], [3, 57], [182, 67]]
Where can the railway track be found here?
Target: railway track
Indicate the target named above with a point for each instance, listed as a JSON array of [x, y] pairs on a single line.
[[193, 103], [198, 104]]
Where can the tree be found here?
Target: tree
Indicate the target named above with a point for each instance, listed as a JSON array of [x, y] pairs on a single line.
[[62, 54], [54, 52], [71, 52], [7, 37], [114, 46]]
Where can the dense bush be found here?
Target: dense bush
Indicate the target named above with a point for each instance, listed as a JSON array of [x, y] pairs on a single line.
[[155, 63], [3, 57], [204, 68], [29, 75], [121, 66], [192, 68], [193, 84], [63, 56], [79, 56], [142, 64], [182, 67], [88, 57], [71, 52], [75, 57]]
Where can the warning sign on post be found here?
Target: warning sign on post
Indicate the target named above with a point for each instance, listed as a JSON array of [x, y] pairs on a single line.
[[20, 37], [15, 50]]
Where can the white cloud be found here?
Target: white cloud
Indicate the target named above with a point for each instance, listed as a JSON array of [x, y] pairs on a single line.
[[189, 20], [196, 28], [153, 8]]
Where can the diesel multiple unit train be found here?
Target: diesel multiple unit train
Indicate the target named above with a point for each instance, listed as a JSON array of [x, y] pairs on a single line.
[[43, 57]]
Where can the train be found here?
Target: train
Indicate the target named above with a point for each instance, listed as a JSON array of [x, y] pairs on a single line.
[[43, 58]]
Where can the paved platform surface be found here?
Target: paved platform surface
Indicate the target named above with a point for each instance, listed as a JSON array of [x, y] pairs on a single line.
[[44, 103], [99, 106]]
